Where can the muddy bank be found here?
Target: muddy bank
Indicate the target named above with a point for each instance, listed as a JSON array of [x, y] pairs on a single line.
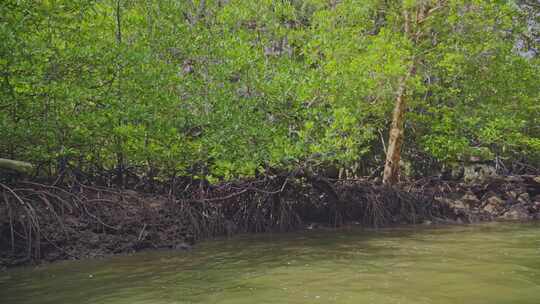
[[40, 222]]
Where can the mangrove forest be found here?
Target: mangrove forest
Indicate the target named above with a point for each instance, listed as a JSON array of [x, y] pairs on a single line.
[[270, 151]]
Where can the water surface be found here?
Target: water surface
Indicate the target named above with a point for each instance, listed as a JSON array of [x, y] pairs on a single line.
[[489, 263]]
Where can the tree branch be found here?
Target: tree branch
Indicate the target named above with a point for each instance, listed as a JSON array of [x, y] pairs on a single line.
[[15, 165]]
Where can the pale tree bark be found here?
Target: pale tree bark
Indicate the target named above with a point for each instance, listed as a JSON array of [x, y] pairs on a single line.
[[15, 165], [412, 30], [395, 141]]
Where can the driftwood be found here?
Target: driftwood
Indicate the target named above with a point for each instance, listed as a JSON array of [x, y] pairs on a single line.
[[15, 165]]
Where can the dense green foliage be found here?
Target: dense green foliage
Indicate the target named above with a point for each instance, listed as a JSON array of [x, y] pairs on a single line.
[[226, 89]]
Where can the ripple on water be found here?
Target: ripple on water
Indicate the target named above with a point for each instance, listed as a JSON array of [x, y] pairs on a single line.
[[490, 263]]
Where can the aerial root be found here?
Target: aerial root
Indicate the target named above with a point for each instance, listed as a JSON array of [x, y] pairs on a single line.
[[41, 218]]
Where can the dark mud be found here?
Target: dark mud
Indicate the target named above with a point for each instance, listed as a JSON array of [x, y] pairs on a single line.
[[40, 222]]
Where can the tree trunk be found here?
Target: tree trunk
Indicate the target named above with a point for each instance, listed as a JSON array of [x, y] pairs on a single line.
[[15, 165], [393, 155], [395, 141], [119, 153]]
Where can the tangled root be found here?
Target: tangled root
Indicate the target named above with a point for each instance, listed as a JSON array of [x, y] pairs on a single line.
[[37, 219]]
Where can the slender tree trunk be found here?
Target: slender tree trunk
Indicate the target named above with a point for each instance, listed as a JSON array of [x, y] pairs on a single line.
[[119, 154], [395, 141], [412, 28]]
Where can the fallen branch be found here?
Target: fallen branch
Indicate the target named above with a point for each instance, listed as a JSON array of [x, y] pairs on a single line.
[[15, 165]]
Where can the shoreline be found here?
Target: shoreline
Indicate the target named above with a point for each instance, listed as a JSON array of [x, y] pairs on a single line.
[[53, 224]]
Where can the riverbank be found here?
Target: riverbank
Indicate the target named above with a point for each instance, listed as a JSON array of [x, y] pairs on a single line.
[[42, 222], [406, 264]]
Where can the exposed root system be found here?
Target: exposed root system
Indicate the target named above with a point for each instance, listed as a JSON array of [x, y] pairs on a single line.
[[51, 222]]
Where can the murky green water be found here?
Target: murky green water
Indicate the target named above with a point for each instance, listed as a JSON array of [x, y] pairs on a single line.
[[491, 263]]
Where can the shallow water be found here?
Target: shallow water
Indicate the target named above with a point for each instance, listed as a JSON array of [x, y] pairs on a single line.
[[489, 263]]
